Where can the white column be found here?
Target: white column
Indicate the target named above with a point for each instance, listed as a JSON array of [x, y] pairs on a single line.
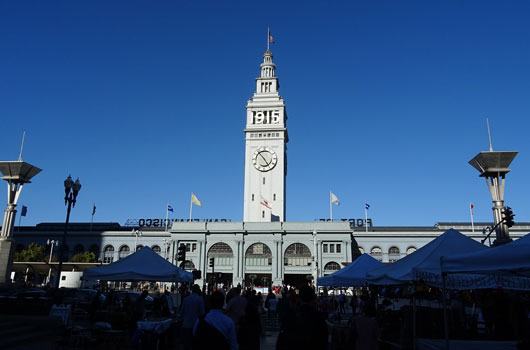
[[348, 251]]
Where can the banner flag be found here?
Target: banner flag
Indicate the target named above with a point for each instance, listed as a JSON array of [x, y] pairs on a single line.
[[195, 200], [334, 199]]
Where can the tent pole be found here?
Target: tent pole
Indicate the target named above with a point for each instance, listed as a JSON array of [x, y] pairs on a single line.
[[444, 306], [414, 321]]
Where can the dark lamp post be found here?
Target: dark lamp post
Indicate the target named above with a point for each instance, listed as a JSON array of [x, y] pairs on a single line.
[[71, 190]]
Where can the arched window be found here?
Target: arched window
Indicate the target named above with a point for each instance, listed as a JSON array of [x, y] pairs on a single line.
[[138, 247], [258, 254], [94, 248], [411, 250], [297, 254], [124, 251], [331, 267], [187, 265], [393, 254], [222, 254], [156, 249], [377, 253], [108, 254]]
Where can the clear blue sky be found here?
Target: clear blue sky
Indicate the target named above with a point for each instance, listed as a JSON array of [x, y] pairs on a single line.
[[145, 103]]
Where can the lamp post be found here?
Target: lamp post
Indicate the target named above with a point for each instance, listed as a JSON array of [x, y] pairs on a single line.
[[71, 189], [51, 243], [167, 244], [16, 173], [493, 166], [136, 233]]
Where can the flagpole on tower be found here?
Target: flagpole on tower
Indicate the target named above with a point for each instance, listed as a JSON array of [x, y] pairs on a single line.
[[268, 37]]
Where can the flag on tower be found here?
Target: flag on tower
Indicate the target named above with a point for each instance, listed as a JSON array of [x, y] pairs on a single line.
[[471, 206], [265, 202], [94, 209], [367, 206], [169, 208], [195, 200], [24, 210], [334, 199], [271, 39]]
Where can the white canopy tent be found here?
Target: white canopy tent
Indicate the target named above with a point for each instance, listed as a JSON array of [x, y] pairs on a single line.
[[144, 265], [353, 275]]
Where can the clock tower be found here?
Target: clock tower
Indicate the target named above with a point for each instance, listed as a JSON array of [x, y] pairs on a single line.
[[265, 149]]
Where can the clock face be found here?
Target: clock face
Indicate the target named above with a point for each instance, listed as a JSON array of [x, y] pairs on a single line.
[[264, 159]]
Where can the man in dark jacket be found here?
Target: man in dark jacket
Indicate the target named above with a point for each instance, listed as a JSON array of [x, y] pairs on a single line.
[[304, 327]]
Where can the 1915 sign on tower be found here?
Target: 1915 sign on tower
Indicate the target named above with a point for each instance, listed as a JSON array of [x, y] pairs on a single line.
[[265, 157]]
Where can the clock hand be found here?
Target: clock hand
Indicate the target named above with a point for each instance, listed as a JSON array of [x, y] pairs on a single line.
[[265, 160]]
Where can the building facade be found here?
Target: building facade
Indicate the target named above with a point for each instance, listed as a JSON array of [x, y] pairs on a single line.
[[263, 249]]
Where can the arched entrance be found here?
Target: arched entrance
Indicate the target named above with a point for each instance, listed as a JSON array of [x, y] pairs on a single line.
[[258, 265], [297, 265], [223, 259]]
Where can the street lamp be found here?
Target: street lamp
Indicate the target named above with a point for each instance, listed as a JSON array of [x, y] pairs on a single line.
[[167, 245], [136, 233], [51, 243], [71, 189], [16, 173], [493, 166]]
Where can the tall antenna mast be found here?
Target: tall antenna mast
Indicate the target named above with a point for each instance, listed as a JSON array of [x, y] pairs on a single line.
[[489, 134], [22, 146]]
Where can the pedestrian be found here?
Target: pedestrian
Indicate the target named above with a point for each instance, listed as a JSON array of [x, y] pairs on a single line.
[[215, 330], [304, 327], [192, 309], [235, 309], [342, 302], [365, 330], [249, 328]]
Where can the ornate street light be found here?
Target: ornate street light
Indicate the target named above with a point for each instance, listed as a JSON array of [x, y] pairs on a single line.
[[71, 190], [16, 173], [137, 234]]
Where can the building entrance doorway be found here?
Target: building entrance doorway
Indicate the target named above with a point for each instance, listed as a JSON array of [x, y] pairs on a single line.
[[258, 280], [297, 280], [223, 279]]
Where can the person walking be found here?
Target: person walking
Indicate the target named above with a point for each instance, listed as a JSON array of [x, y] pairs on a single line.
[[215, 330], [365, 330], [304, 327], [192, 310]]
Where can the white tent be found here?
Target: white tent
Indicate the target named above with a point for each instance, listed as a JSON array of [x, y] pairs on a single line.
[[425, 261], [144, 265], [353, 275], [507, 265]]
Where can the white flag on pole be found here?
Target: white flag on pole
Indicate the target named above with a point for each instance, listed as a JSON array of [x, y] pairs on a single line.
[[334, 199]]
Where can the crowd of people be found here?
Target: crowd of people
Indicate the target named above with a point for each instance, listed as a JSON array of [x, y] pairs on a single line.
[[231, 319]]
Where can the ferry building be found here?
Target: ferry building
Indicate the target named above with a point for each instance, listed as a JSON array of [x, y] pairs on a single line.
[[264, 249]]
